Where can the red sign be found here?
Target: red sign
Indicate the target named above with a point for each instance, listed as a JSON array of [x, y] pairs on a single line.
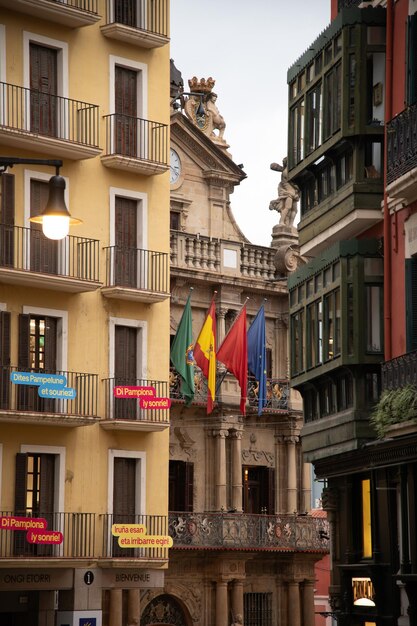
[[121, 391], [155, 403], [44, 536], [11, 522]]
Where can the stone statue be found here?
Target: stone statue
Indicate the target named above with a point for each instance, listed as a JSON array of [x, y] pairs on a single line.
[[217, 120], [288, 195], [238, 620]]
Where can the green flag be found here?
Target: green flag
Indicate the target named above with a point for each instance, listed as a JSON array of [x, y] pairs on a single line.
[[182, 353]]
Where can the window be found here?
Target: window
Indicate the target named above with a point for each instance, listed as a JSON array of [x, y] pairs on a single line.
[[411, 303], [297, 343], [352, 87], [344, 391], [127, 492], [258, 489], [373, 159], [310, 405], [332, 315], [174, 220], [313, 118], [7, 196], [181, 475], [326, 398], [4, 359], [344, 169], [128, 105], [308, 195], [374, 313], [412, 60], [257, 609], [297, 133], [314, 330], [332, 100]]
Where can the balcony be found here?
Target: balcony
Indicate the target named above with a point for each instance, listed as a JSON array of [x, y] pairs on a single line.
[[402, 155], [54, 125], [85, 536], [29, 259], [136, 145], [278, 392], [126, 413], [240, 531], [143, 24], [205, 255], [135, 274], [154, 524], [21, 403], [400, 371], [71, 13]]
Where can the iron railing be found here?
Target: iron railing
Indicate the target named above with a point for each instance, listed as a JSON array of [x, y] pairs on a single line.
[[200, 385], [135, 268], [400, 371], [136, 138], [89, 6], [39, 113], [129, 408], [148, 15], [342, 4], [25, 397], [402, 143], [28, 249], [277, 394], [153, 524], [78, 530], [243, 531]]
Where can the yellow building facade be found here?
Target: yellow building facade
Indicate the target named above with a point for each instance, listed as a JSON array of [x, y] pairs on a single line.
[[84, 82]]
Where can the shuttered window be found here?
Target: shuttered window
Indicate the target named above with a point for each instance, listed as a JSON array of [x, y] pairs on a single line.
[[7, 201], [126, 254], [43, 251], [125, 369], [412, 60], [124, 498], [126, 111], [4, 359], [43, 89], [181, 479]]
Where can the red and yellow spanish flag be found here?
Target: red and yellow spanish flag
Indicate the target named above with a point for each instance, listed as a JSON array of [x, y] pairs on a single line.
[[205, 354]]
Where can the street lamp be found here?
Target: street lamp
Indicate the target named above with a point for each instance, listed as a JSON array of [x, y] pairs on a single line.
[[55, 218]]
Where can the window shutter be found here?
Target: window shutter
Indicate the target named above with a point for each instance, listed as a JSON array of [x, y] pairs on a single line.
[[20, 484], [50, 343], [47, 480], [412, 60], [24, 347], [411, 303], [124, 487], [126, 242], [4, 359], [7, 219]]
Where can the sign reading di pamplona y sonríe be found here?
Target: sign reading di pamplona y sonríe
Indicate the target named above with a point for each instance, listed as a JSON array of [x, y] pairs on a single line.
[[36, 529], [134, 536], [146, 396], [49, 385]]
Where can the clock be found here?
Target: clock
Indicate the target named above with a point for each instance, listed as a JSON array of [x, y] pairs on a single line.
[[174, 167]]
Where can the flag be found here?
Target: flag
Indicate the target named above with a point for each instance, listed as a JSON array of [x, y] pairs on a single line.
[[205, 354], [233, 353], [257, 355], [182, 353]]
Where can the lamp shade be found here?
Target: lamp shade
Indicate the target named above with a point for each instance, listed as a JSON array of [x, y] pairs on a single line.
[[55, 218]]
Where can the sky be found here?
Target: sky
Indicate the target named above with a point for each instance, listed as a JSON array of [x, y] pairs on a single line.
[[247, 46]]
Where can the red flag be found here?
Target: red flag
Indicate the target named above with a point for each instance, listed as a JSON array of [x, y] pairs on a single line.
[[233, 353], [205, 354]]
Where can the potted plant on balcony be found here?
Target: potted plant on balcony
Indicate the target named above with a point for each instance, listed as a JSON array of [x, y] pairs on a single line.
[[396, 411]]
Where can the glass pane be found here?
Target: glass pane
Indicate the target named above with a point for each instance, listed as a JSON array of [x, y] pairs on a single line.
[[374, 318]]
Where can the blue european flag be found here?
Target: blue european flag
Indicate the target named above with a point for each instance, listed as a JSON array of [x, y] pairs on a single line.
[[257, 355]]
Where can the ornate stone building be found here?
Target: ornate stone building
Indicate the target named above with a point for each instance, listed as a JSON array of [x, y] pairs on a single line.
[[245, 546]]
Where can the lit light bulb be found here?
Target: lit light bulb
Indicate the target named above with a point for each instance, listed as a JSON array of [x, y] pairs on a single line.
[[55, 226]]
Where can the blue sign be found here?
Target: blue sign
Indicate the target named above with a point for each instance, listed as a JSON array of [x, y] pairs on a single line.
[[57, 391], [38, 378], [87, 621]]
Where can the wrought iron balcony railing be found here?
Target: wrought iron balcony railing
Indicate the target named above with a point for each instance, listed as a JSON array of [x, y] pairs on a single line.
[[90, 6], [402, 143], [135, 268], [27, 249], [348, 3], [297, 533], [400, 371], [136, 138], [78, 531], [129, 409], [146, 15], [25, 397], [154, 525], [277, 391], [34, 112]]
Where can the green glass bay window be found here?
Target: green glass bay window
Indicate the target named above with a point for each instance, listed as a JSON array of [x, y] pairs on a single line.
[[336, 313]]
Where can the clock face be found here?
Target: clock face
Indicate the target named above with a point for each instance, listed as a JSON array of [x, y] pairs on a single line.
[[174, 167]]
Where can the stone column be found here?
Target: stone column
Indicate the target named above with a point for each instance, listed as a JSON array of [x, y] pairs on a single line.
[[221, 603], [116, 613], [308, 603], [221, 324], [291, 474], [281, 606], [306, 486], [237, 599], [236, 436], [280, 471], [133, 607], [220, 469], [294, 603]]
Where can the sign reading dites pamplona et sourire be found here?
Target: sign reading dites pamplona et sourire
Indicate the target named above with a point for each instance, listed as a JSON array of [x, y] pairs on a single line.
[[35, 527], [49, 385], [145, 395], [134, 536]]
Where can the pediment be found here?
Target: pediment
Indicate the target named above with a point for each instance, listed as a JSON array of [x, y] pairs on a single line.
[[213, 160]]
